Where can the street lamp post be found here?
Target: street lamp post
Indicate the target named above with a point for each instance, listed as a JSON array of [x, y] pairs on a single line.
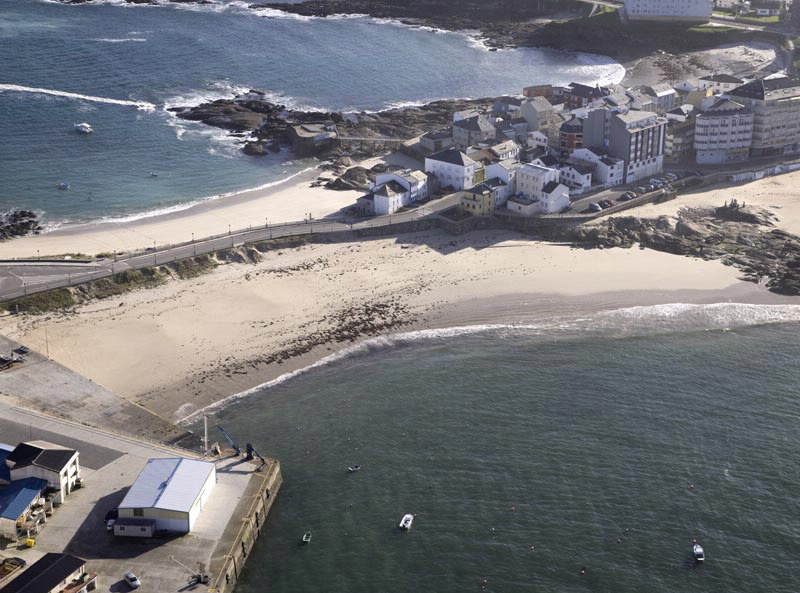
[[155, 253]]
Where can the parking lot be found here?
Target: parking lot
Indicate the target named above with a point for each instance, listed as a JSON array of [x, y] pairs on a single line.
[[583, 205]]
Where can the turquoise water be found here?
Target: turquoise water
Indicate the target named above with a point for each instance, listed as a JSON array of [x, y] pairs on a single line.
[[567, 437], [179, 55]]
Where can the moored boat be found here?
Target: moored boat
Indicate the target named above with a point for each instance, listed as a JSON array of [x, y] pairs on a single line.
[[406, 521], [306, 537], [83, 128], [353, 468], [697, 552]]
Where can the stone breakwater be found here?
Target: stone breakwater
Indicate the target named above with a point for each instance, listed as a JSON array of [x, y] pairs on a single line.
[[737, 235]]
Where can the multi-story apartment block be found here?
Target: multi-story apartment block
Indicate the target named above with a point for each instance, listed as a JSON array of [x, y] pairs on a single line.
[[637, 137], [775, 103], [668, 10], [723, 133], [454, 170]]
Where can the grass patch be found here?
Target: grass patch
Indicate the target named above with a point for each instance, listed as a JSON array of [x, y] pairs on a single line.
[[52, 300], [605, 34], [192, 267], [122, 283]]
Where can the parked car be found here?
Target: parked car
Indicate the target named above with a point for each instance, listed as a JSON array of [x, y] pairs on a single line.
[[604, 204], [641, 189], [132, 580], [624, 198], [110, 524], [595, 207]]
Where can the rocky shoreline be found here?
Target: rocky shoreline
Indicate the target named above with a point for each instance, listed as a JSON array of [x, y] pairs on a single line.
[[266, 126], [734, 233], [18, 223]]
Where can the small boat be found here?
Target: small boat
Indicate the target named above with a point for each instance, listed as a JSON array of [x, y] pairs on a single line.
[[153, 174], [63, 185], [353, 468], [405, 523], [698, 553], [83, 128], [307, 537]]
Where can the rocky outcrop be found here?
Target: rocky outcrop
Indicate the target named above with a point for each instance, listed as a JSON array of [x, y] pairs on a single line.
[[269, 124], [17, 223], [355, 178], [737, 235]]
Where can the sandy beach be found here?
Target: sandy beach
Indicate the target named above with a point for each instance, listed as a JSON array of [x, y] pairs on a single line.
[[187, 344]]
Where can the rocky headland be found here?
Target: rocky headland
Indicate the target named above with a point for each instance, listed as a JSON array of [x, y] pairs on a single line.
[[738, 235]]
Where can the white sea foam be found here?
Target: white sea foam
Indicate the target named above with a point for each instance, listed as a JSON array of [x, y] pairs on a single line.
[[143, 105], [626, 321], [120, 40]]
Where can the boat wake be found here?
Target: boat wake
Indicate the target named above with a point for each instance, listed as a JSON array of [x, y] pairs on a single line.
[[625, 322], [142, 105]]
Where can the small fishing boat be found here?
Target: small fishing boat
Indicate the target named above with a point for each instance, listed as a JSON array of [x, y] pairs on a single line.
[[83, 128], [698, 553], [353, 468], [63, 185], [407, 520], [307, 537]]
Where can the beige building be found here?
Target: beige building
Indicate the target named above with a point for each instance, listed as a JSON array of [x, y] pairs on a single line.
[[776, 114]]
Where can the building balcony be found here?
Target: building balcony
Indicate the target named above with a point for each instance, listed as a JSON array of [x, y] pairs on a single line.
[[86, 582]]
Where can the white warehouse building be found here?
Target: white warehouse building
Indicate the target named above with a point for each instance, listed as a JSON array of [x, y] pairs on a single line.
[[168, 495]]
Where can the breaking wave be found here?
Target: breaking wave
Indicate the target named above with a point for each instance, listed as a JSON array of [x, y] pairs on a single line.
[[625, 322]]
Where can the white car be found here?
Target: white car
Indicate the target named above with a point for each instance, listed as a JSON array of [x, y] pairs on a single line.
[[132, 580], [110, 524]]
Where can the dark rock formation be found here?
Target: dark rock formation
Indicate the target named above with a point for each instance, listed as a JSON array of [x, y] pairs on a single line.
[[357, 178], [269, 124], [17, 223], [735, 234]]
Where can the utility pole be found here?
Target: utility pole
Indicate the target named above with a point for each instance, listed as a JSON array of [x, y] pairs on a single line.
[[46, 343]]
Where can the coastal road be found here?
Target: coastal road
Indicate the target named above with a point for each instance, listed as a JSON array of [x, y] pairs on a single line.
[[25, 277]]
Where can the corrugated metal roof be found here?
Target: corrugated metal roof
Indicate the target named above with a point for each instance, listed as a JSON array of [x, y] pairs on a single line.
[[170, 484], [18, 496]]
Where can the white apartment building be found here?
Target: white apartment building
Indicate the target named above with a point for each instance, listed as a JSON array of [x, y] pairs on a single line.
[[608, 171], [723, 133], [576, 176], [776, 109], [719, 83], [541, 186], [454, 169], [395, 190], [505, 171], [669, 10]]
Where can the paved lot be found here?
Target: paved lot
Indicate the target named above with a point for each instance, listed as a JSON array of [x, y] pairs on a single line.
[[78, 526], [92, 456]]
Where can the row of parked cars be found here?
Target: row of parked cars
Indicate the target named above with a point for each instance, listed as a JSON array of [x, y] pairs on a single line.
[[654, 184]]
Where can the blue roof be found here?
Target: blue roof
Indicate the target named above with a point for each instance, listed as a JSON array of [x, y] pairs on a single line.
[[5, 451], [19, 495]]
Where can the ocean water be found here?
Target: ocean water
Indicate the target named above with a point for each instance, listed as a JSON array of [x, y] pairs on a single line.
[[528, 453], [161, 56]]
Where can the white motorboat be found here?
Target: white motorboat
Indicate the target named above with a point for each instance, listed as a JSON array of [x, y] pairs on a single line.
[[83, 128], [63, 185], [698, 553], [353, 468], [307, 537], [405, 523]]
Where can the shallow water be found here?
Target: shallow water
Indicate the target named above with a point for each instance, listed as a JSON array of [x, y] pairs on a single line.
[[178, 55]]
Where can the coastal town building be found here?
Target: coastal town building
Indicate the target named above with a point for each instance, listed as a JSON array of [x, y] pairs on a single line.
[[775, 103], [58, 466], [505, 150], [608, 171], [719, 83], [532, 178], [505, 171], [570, 135], [638, 138], [474, 130], [522, 205], [664, 96], [723, 133], [310, 139], [679, 143], [54, 573], [668, 10], [454, 170], [167, 496], [436, 141], [640, 100], [577, 95], [576, 176], [483, 198], [767, 7]]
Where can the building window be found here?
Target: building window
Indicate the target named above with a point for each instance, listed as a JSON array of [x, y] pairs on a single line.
[[138, 512]]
